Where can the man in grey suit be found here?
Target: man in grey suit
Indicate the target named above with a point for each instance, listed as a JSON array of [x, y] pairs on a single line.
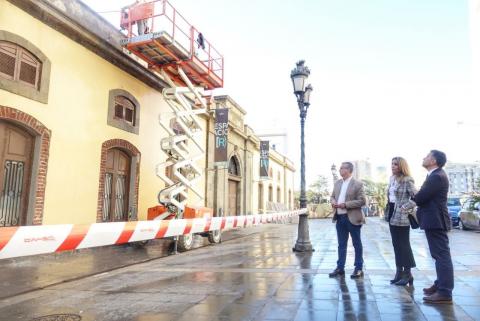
[[347, 200]]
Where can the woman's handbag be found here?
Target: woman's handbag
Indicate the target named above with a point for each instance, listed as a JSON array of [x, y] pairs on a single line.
[[413, 221], [411, 209]]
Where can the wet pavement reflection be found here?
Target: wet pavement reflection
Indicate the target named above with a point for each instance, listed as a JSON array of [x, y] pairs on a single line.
[[254, 277]]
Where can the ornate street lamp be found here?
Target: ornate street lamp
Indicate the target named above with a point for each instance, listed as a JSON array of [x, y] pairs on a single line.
[[334, 173], [299, 77]]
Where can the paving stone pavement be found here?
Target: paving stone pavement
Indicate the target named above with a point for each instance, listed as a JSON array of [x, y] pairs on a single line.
[[258, 277]]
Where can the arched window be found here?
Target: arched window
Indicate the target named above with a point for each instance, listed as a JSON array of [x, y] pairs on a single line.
[[123, 111], [234, 186], [270, 193], [18, 64], [279, 195], [24, 69], [234, 167]]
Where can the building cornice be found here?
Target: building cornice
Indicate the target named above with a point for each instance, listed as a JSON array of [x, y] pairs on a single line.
[[226, 98]]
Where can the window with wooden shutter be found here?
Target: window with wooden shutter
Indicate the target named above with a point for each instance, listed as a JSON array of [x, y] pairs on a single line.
[[8, 54], [125, 110], [18, 64]]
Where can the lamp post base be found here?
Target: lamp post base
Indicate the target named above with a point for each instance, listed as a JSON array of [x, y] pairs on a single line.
[[303, 247], [303, 243]]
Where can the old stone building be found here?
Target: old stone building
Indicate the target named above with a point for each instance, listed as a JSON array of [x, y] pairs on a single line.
[[237, 188], [79, 131]]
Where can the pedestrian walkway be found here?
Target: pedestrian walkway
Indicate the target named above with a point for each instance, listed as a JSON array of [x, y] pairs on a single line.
[[258, 277]]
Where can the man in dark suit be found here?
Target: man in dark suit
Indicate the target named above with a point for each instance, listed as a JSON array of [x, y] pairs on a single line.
[[432, 214]]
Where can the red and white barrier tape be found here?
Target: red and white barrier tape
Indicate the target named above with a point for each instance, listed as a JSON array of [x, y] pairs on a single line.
[[41, 239]]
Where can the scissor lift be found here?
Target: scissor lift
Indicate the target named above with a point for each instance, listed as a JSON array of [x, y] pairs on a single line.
[[190, 65]]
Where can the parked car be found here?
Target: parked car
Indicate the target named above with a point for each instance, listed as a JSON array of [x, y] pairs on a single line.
[[469, 216], [454, 207]]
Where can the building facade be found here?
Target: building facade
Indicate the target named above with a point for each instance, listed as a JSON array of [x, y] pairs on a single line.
[[362, 169], [464, 178], [381, 174], [79, 132], [237, 188]]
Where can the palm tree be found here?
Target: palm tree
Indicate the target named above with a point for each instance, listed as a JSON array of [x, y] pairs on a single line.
[[376, 192]]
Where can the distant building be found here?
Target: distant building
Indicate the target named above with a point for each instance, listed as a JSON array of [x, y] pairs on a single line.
[[463, 177], [362, 170], [381, 174]]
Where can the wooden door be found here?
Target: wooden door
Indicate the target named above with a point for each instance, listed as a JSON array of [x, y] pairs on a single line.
[[16, 149], [117, 183], [232, 197], [260, 199]]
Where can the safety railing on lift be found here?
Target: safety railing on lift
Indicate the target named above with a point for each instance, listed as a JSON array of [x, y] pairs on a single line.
[[160, 16]]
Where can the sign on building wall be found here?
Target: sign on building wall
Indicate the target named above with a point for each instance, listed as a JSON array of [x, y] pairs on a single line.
[[264, 157], [221, 135]]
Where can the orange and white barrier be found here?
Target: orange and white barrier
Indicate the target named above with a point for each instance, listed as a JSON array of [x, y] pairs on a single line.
[[41, 239]]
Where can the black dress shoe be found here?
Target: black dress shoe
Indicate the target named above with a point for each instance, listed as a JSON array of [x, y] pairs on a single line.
[[437, 298], [357, 274], [336, 272], [397, 277], [407, 278], [431, 290]]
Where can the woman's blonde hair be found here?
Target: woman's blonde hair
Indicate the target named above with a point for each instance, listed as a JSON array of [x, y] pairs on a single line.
[[402, 166]]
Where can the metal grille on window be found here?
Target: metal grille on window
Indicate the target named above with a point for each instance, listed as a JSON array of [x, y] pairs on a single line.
[[120, 198], [11, 195], [107, 196]]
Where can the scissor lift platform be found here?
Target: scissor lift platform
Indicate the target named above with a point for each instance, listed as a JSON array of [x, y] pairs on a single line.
[[172, 42]]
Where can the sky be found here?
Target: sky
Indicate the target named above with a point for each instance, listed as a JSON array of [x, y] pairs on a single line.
[[390, 78]]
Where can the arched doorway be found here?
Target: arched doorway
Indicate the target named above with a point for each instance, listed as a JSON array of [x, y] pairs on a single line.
[[234, 179], [117, 182], [16, 156], [289, 199], [260, 199]]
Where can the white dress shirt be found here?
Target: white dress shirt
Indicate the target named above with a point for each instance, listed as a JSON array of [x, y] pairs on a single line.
[[342, 195], [391, 190]]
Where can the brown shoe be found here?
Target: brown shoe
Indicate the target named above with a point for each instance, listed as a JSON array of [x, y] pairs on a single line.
[[357, 274], [431, 290], [437, 298]]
